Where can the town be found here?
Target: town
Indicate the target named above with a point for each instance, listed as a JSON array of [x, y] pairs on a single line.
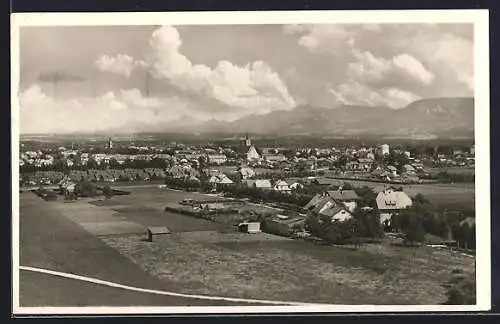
[[263, 171], [355, 195]]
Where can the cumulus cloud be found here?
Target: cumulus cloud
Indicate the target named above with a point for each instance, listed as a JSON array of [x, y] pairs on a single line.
[[355, 93], [379, 71], [41, 113], [121, 64], [396, 61], [253, 88]]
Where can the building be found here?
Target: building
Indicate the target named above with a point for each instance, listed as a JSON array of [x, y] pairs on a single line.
[[220, 180], [110, 143], [348, 197], [294, 184], [246, 172], [284, 225], [282, 186], [249, 227], [252, 154], [248, 141], [260, 184], [384, 149], [325, 205], [390, 201], [473, 150], [217, 159]]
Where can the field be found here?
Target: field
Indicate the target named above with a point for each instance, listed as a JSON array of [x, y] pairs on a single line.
[[201, 257], [283, 269], [457, 197]]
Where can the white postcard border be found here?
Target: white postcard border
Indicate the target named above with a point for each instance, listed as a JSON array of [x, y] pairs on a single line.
[[480, 19]]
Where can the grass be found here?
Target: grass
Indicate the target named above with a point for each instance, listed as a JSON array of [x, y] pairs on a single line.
[[286, 269], [458, 197], [199, 259]]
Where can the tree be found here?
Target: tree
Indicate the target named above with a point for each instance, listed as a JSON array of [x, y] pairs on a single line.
[[86, 189], [107, 191], [367, 197], [414, 230], [368, 223]]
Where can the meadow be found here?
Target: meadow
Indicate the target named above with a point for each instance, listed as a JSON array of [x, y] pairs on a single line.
[[202, 257]]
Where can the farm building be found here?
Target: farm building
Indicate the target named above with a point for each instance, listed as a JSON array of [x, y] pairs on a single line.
[[260, 184], [249, 227], [284, 225], [390, 201]]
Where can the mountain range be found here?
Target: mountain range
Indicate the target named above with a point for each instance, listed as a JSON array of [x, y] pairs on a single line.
[[426, 118], [422, 119]]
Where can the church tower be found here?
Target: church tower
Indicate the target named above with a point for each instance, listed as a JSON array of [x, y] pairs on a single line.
[[248, 141], [110, 143]]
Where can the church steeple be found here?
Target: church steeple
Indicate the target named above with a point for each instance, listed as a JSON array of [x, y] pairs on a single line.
[[248, 141]]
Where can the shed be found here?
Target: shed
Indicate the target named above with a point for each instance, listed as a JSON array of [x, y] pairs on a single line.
[[249, 227], [156, 230]]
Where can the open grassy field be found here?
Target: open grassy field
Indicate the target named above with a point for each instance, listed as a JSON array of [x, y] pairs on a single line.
[[257, 266], [199, 258]]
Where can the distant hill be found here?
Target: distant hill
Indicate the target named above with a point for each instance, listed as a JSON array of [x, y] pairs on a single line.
[[422, 119], [426, 118]]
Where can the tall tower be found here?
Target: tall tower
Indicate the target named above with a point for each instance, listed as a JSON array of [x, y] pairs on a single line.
[[248, 141], [110, 143]]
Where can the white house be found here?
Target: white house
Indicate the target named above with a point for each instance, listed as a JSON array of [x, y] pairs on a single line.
[[246, 172], [281, 186], [384, 149], [390, 201], [294, 184]]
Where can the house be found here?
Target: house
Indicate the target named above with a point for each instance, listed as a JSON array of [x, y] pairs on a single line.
[[365, 164], [348, 197], [337, 213], [275, 158], [283, 225], [392, 169], [252, 154], [220, 180], [217, 159], [246, 172], [260, 184], [294, 184], [409, 169], [281, 186], [390, 201], [325, 205]]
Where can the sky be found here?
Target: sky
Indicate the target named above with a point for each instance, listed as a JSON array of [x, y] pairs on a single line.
[[93, 79]]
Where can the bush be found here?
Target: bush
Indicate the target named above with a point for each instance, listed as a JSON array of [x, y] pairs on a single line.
[[461, 290], [107, 191], [86, 189]]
